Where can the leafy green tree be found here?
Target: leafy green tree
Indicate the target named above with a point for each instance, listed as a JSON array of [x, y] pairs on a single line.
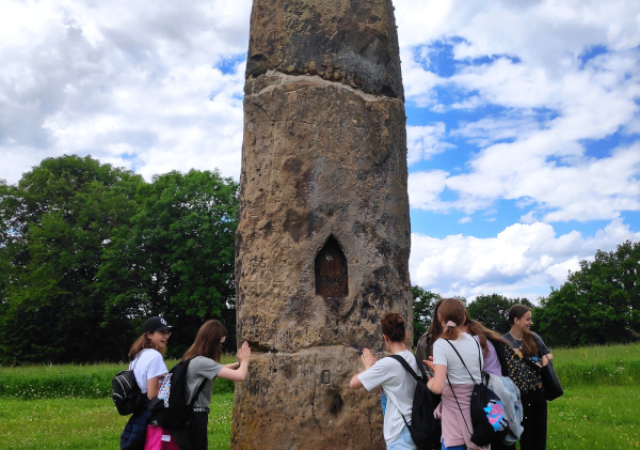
[[55, 223], [598, 303], [177, 258], [423, 303], [493, 310]]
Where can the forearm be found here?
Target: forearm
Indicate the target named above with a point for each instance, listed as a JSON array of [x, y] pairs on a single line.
[[238, 374], [355, 382]]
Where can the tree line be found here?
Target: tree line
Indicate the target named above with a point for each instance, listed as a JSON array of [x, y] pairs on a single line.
[[88, 251], [598, 304]]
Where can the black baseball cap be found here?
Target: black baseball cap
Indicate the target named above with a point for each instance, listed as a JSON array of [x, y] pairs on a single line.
[[154, 324]]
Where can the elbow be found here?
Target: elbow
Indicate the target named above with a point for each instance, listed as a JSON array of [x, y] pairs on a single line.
[[436, 391], [355, 382]]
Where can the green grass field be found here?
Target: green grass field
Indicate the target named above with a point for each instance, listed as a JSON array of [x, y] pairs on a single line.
[[600, 408]]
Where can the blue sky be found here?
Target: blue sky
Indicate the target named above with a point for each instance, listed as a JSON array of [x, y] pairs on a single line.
[[523, 118]]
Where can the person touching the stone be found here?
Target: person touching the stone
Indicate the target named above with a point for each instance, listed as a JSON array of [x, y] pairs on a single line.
[[205, 365], [398, 385]]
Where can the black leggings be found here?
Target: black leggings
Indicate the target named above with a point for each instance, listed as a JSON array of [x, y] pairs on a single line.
[[534, 436], [193, 436]]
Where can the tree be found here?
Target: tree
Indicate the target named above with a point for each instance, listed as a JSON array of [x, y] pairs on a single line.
[[55, 224], [177, 258], [423, 303], [597, 303], [493, 310]]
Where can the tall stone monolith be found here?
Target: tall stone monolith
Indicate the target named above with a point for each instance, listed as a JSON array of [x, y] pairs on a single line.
[[324, 235]]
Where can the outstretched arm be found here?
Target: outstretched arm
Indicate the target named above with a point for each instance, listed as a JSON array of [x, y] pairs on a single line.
[[239, 374], [368, 360]]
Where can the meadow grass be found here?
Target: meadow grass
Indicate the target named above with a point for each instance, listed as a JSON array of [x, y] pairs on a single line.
[[600, 407], [46, 381], [77, 423]]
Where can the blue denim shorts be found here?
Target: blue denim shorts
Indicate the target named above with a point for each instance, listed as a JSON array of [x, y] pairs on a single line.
[[403, 442], [457, 447]]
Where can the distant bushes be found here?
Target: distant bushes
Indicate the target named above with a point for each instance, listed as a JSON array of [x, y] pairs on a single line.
[[64, 381]]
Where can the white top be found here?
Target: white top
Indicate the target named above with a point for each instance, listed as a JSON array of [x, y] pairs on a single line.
[[399, 387], [468, 348], [147, 364]]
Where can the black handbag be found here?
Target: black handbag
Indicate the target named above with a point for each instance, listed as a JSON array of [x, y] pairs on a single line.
[[550, 382]]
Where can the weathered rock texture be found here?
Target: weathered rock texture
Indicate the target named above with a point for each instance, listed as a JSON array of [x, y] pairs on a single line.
[[323, 238]]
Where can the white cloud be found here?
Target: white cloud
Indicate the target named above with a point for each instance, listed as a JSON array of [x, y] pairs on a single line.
[[524, 260], [531, 61], [130, 84], [425, 141]]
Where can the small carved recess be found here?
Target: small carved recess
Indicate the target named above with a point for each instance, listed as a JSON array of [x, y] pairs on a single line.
[[332, 275]]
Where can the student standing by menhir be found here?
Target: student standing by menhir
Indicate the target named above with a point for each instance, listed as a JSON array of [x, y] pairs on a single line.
[[148, 367], [534, 405], [205, 366], [398, 385]]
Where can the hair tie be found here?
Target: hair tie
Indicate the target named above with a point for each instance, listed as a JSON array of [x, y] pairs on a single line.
[[451, 324]]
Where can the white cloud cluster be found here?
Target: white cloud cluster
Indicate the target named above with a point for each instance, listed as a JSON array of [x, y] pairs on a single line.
[[521, 261], [425, 141], [132, 84], [565, 76]]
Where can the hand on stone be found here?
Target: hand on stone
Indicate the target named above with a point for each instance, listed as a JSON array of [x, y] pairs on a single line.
[[367, 358], [244, 352]]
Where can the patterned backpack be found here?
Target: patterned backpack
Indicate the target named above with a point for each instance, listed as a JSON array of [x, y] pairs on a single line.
[[514, 366]]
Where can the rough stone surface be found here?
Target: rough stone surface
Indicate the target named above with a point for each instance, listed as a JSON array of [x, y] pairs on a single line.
[[323, 237], [353, 42]]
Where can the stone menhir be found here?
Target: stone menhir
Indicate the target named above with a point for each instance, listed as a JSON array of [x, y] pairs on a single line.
[[323, 236]]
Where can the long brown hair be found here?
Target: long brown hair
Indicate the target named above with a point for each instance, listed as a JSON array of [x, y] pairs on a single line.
[[141, 343], [476, 328], [529, 346], [435, 328], [452, 310], [208, 341]]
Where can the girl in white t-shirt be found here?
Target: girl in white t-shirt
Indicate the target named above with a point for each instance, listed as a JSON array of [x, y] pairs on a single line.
[[148, 366], [455, 412], [398, 385]]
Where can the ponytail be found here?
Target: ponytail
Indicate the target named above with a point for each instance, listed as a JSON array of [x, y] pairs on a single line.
[[476, 328], [452, 311]]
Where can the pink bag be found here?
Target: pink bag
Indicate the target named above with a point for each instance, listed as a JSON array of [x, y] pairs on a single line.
[[159, 438]]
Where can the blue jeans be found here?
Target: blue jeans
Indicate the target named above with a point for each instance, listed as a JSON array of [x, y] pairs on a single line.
[[403, 442], [457, 447]]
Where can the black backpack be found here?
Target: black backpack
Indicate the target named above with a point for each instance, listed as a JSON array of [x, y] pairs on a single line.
[[126, 395], [487, 413], [424, 428], [174, 411]]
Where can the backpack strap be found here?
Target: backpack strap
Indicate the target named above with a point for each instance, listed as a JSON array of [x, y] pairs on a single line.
[[408, 368], [465, 366], [456, 398], [199, 389]]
